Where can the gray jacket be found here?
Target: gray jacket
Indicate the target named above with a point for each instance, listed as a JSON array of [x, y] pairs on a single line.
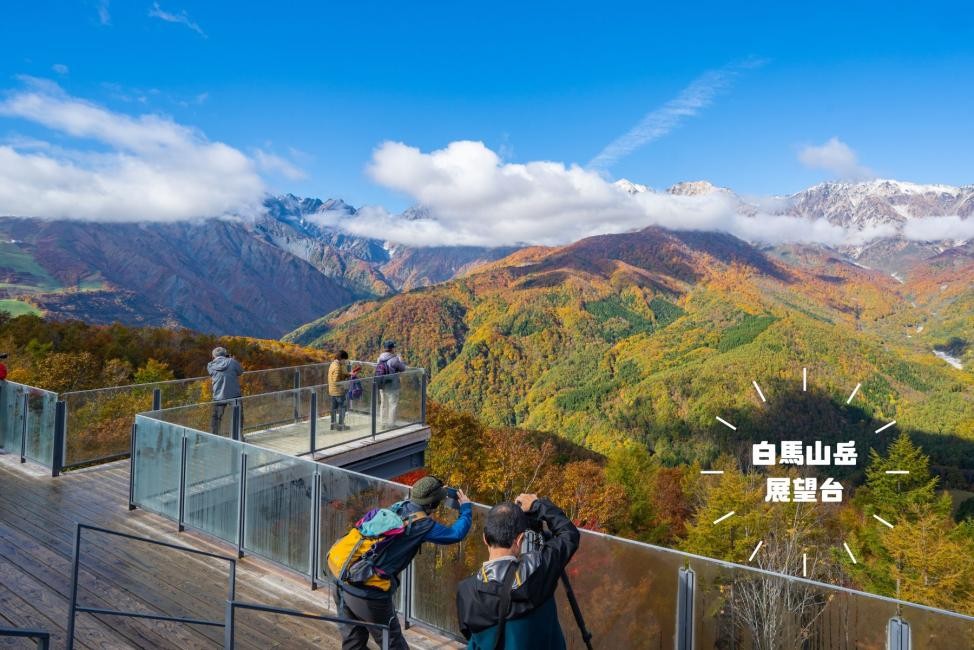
[[224, 373]]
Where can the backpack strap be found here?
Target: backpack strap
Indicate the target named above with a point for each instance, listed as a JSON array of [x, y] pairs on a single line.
[[504, 608]]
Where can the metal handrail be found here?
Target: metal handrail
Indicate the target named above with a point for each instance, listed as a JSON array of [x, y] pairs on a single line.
[[41, 637], [76, 563], [234, 605]]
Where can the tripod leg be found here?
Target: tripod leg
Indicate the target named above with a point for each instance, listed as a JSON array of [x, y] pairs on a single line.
[[576, 610]]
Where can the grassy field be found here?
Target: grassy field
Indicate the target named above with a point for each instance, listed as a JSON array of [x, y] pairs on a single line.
[[18, 307]]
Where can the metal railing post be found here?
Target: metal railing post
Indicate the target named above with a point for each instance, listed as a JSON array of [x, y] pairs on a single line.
[[236, 424], [60, 424], [73, 602], [898, 636], [182, 482], [375, 405], [228, 627], [135, 431], [423, 382], [23, 430], [315, 527], [684, 609], [313, 418], [156, 399], [242, 505], [297, 396]]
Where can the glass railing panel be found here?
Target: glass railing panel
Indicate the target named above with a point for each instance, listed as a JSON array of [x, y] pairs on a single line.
[[316, 375], [344, 417], [39, 443], [277, 523], [156, 466], [345, 498], [639, 581], [269, 381], [212, 490], [12, 417], [437, 571], [931, 629], [184, 392], [99, 421], [278, 421]]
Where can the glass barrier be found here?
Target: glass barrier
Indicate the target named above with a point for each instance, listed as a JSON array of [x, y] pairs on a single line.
[[27, 422], [39, 443], [626, 591], [105, 418], [344, 417], [212, 490], [155, 468], [279, 504]]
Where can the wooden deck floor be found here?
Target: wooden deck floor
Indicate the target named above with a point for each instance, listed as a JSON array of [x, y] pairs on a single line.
[[37, 519]]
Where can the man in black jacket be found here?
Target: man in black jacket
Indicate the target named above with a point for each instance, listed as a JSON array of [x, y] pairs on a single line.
[[524, 582]]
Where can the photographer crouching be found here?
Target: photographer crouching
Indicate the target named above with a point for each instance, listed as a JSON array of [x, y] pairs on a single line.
[[510, 602]]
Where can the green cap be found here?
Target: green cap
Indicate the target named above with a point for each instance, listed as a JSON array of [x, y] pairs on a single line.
[[428, 491]]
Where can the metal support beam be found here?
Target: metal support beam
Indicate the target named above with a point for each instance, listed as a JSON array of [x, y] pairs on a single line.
[[242, 505], [236, 422], [898, 635], [375, 405], [297, 396], [182, 482], [135, 431], [315, 527], [23, 430], [73, 601], [684, 609], [156, 399], [60, 439], [313, 419]]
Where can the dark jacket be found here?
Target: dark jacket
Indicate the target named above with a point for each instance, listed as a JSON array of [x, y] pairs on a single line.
[[532, 622], [224, 372], [401, 552]]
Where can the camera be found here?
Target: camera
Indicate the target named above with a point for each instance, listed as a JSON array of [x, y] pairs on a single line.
[[451, 499], [3, 355]]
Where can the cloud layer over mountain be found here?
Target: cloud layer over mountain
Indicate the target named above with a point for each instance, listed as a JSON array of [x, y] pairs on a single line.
[[140, 168], [474, 198]]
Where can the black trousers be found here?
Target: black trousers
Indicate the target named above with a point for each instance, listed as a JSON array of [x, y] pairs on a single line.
[[369, 610], [216, 417]]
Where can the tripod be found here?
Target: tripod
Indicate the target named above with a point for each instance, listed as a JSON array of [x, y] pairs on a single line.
[[533, 541]]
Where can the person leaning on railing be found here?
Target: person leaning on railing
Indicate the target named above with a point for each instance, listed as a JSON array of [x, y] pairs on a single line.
[[519, 584], [225, 374]]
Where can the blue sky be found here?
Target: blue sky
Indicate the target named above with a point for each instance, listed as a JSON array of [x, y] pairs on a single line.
[[321, 85]]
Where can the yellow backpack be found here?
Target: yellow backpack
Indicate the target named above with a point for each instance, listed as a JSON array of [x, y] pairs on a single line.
[[356, 557]]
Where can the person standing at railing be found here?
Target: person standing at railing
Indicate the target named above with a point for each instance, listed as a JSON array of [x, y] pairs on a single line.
[[387, 369], [225, 374], [372, 601], [510, 602], [338, 389]]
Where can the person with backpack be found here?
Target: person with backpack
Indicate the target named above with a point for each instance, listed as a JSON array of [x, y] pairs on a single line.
[[367, 561], [224, 373], [510, 602], [338, 389], [386, 369]]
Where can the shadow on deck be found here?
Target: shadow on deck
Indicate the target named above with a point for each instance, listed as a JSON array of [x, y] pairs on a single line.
[[37, 521]]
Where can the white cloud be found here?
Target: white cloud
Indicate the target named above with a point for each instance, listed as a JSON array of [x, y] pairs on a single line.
[[474, 198], [182, 18], [939, 229], [275, 164], [835, 157], [104, 17], [660, 121], [60, 68], [144, 167]]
